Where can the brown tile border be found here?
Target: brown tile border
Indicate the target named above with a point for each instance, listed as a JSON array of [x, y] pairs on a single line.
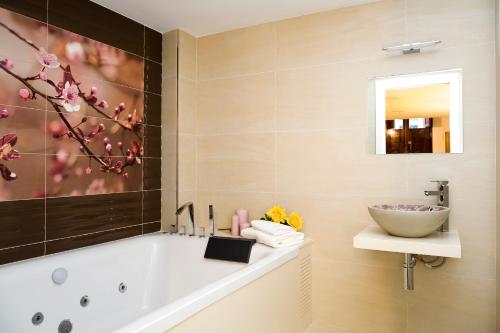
[[151, 227], [72, 243], [22, 222], [73, 216], [21, 253]]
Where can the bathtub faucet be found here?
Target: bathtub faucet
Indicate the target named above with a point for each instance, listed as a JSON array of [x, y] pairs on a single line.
[[190, 206]]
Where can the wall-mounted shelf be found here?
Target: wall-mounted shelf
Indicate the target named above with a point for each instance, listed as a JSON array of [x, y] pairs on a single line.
[[442, 244]]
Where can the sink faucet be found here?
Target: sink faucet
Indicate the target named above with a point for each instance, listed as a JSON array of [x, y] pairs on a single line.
[[443, 195], [190, 206]]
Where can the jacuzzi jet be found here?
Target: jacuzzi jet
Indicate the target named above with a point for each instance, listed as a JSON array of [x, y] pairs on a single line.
[[122, 287], [37, 318], [65, 326], [84, 301]]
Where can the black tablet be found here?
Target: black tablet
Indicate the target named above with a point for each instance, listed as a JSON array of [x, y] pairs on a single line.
[[231, 249]]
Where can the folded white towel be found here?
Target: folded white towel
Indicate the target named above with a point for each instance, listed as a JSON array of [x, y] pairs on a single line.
[[272, 228], [289, 239]]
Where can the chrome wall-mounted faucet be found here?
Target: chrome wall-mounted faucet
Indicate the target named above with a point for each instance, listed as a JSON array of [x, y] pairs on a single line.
[[190, 207], [443, 194]]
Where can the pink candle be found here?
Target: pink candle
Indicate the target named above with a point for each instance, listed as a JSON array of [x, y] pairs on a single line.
[[243, 215], [235, 225], [244, 226]]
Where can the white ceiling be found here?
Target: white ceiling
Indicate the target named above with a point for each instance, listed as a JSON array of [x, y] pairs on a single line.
[[204, 17]]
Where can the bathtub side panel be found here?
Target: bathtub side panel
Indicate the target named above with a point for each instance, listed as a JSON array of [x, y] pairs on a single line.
[[253, 308]]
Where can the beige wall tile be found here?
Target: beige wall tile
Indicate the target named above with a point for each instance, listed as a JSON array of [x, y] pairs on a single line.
[[451, 304], [187, 55], [326, 157], [236, 105], [243, 162], [187, 106], [169, 161], [169, 105], [243, 51], [456, 22], [316, 328], [340, 35], [323, 97], [332, 222], [187, 162], [169, 53], [358, 298], [225, 203], [168, 208]]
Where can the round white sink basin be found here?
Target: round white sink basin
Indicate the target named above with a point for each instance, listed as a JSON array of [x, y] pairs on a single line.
[[409, 220]]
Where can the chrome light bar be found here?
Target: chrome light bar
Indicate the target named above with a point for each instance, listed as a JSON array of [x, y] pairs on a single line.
[[409, 48]]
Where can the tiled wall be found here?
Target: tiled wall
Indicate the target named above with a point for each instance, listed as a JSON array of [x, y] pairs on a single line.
[[180, 123], [497, 141], [34, 227], [281, 114]]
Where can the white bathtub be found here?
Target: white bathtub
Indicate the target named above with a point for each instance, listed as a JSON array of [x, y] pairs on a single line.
[[166, 276]]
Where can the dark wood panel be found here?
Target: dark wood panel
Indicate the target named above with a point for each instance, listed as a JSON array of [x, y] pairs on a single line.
[[152, 109], [22, 222], [152, 77], [151, 227], [21, 253], [152, 45], [36, 9], [151, 173], [152, 141], [92, 20], [152, 206], [71, 216], [66, 244]]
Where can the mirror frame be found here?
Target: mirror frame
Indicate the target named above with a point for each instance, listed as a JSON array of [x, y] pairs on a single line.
[[452, 77]]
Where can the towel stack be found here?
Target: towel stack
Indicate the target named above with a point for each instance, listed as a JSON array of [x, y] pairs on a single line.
[[273, 234]]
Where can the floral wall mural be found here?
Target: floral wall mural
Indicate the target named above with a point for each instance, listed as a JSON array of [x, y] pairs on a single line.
[[76, 99], [80, 127]]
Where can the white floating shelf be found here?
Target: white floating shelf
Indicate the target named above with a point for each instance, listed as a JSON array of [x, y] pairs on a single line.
[[442, 244]]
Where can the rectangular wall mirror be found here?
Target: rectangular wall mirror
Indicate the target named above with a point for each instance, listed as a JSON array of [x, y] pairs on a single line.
[[419, 113]]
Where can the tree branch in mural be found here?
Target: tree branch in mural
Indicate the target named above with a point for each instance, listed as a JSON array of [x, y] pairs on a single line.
[[67, 97]]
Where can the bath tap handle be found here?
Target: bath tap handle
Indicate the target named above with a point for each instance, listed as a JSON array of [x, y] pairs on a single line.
[[211, 220]]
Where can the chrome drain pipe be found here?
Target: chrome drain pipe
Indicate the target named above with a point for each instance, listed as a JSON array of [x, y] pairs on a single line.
[[408, 265]]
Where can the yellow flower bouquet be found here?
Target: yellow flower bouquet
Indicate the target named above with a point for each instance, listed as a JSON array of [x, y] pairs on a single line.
[[277, 214]]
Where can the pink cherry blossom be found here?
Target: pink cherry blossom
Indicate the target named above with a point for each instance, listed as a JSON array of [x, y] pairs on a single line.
[[25, 94], [75, 52], [43, 76], [88, 170], [78, 172], [109, 148], [4, 113], [7, 63], [47, 59], [71, 98], [103, 104]]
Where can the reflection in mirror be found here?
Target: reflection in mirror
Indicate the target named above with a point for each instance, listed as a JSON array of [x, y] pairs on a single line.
[[419, 113]]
